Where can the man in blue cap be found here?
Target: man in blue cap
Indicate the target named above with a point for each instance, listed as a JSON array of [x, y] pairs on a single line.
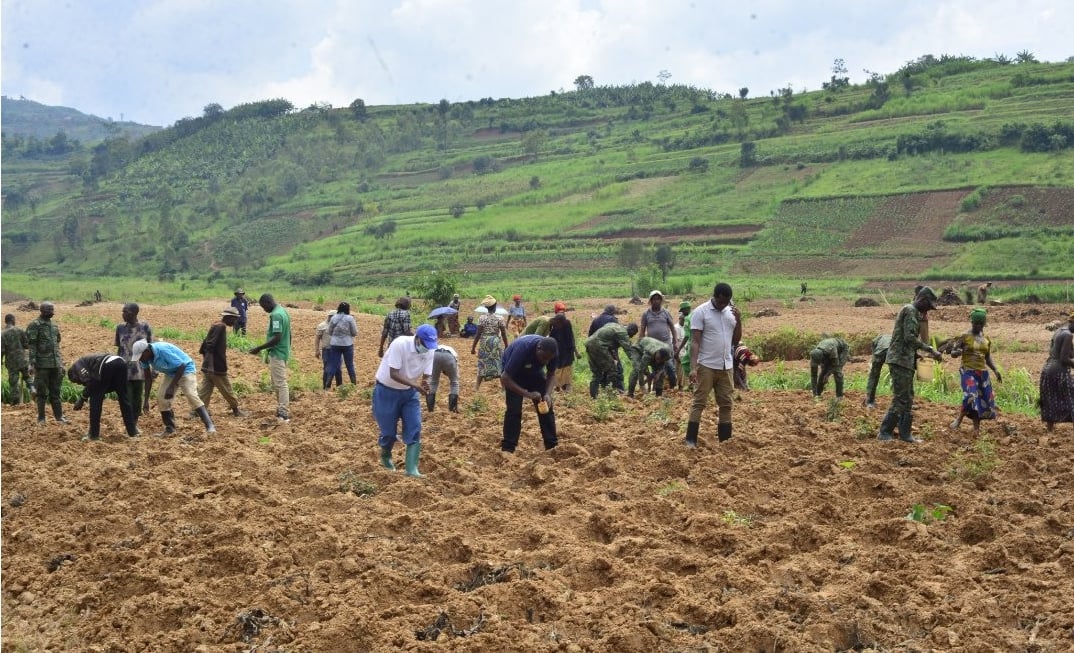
[[403, 374]]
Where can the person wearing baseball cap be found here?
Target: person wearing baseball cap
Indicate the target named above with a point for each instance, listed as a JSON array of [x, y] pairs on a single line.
[[214, 363], [179, 376], [242, 305], [902, 365], [403, 374]]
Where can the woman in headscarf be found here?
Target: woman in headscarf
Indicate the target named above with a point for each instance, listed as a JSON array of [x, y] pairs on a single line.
[[978, 399], [492, 339], [1056, 382]]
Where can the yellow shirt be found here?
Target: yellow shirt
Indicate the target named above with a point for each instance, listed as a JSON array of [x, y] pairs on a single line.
[[975, 348]]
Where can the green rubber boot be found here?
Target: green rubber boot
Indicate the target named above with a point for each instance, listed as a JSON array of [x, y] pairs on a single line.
[[386, 458], [413, 452]]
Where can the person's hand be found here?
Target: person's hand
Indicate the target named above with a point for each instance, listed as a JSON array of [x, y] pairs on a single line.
[[255, 350], [936, 355], [999, 377], [693, 377], [424, 387], [145, 407], [81, 402], [317, 354], [380, 354]]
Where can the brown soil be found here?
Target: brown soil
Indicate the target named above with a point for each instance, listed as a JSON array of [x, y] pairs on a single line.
[[791, 536]]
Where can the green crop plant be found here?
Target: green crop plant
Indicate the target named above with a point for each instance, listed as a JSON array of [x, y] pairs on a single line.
[[922, 514], [834, 409], [350, 482], [479, 405], [733, 518], [977, 463], [671, 487]]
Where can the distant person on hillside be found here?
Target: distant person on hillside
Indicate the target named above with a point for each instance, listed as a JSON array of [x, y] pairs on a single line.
[[214, 363], [278, 345], [128, 332], [97, 296], [827, 359], [46, 364], [242, 305], [804, 288], [16, 359], [517, 314], [1056, 382], [489, 343], [982, 292], [881, 344], [902, 365], [975, 349], [101, 374], [396, 323]]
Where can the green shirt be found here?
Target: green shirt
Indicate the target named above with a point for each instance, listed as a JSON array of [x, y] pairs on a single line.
[[280, 322], [540, 326], [15, 345], [905, 338], [610, 337], [44, 338], [643, 353], [836, 351]]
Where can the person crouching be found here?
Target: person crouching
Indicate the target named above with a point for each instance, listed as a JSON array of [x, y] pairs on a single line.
[[403, 374]]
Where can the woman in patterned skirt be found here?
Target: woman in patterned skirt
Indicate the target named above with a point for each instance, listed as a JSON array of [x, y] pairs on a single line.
[[492, 339], [978, 399]]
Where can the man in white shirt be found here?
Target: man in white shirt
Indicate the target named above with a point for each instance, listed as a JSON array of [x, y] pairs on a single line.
[[715, 329], [403, 374]]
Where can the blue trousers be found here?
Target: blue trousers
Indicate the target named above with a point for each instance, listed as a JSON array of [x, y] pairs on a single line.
[[341, 354], [390, 406]]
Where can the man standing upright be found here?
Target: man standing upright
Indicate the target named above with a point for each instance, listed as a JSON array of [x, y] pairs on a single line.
[[657, 323], [715, 328], [278, 344], [139, 381], [396, 323], [46, 364], [242, 305], [214, 363], [902, 364], [16, 361]]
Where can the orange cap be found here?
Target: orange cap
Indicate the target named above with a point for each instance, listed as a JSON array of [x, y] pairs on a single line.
[[559, 307]]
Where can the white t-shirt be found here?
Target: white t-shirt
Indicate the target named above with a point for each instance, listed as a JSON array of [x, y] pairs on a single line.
[[403, 356], [717, 328]]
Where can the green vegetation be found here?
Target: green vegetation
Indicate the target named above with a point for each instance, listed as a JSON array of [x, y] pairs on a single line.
[[351, 483], [539, 194], [922, 514], [977, 462]]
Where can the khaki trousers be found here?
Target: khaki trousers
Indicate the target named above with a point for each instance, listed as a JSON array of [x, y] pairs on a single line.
[[186, 384], [719, 381], [278, 374], [220, 382]]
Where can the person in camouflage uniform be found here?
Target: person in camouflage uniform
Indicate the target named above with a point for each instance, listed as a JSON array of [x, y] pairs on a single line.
[[827, 359], [46, 364], [15, 345], [881, 344], [902, 364], [602, 350], [649, 358]]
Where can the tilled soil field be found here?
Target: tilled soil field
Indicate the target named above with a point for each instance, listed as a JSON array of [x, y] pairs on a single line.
[[792, 536]]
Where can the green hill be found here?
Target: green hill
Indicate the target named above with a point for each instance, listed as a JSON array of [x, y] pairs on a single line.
[[28, 119], [950, 168]]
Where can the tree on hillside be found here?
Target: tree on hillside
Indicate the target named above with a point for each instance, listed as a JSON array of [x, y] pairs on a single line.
[[212, 111], [665, 260], [839, 79], [583, 82], [436, 287], [534, 141], [743, 92], [1025, 56], [663, 76], [358, 110], [457, 210], [630, 253]]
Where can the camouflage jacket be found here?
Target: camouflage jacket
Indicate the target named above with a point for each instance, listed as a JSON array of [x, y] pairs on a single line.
[[44, 339], [15, 345]]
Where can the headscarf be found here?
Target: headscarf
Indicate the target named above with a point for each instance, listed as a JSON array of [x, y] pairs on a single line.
[[978, 316], [489, 301]]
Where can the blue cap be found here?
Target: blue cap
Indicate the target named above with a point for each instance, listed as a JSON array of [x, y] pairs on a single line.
[[426, 333]]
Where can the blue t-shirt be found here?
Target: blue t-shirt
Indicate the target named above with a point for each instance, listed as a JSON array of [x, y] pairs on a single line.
[[520, 363], [169, 360]]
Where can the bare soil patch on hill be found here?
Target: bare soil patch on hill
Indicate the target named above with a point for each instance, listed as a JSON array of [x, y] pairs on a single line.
[[792, 536]]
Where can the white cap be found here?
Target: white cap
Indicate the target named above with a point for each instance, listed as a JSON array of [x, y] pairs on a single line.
[[138, 348]]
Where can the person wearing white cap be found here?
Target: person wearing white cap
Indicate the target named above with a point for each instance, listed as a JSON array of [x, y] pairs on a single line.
[[179, 375], [403, 374], [214, 363]]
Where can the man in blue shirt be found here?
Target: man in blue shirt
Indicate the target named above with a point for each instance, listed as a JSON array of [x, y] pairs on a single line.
[[242, 305], [179, 374], [529, 365]]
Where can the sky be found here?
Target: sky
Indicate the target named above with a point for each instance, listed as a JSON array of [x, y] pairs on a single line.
[[158, 61]]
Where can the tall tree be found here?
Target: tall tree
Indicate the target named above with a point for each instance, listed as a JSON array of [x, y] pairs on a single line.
[[665, 260], [583, 82]]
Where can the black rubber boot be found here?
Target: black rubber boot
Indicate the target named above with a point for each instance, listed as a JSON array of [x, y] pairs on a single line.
[[453, 403], [203, 413], [723, 431], [430, 401], [168, 417], [887, 427], [906, 433], [594, 385], [691, 434]]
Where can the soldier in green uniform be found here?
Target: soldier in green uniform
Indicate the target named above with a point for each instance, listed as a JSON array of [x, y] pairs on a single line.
[[827, 359], [15, 345], [881, 344], [602, 350], [46, 365], [905, 341], [649, 359]]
